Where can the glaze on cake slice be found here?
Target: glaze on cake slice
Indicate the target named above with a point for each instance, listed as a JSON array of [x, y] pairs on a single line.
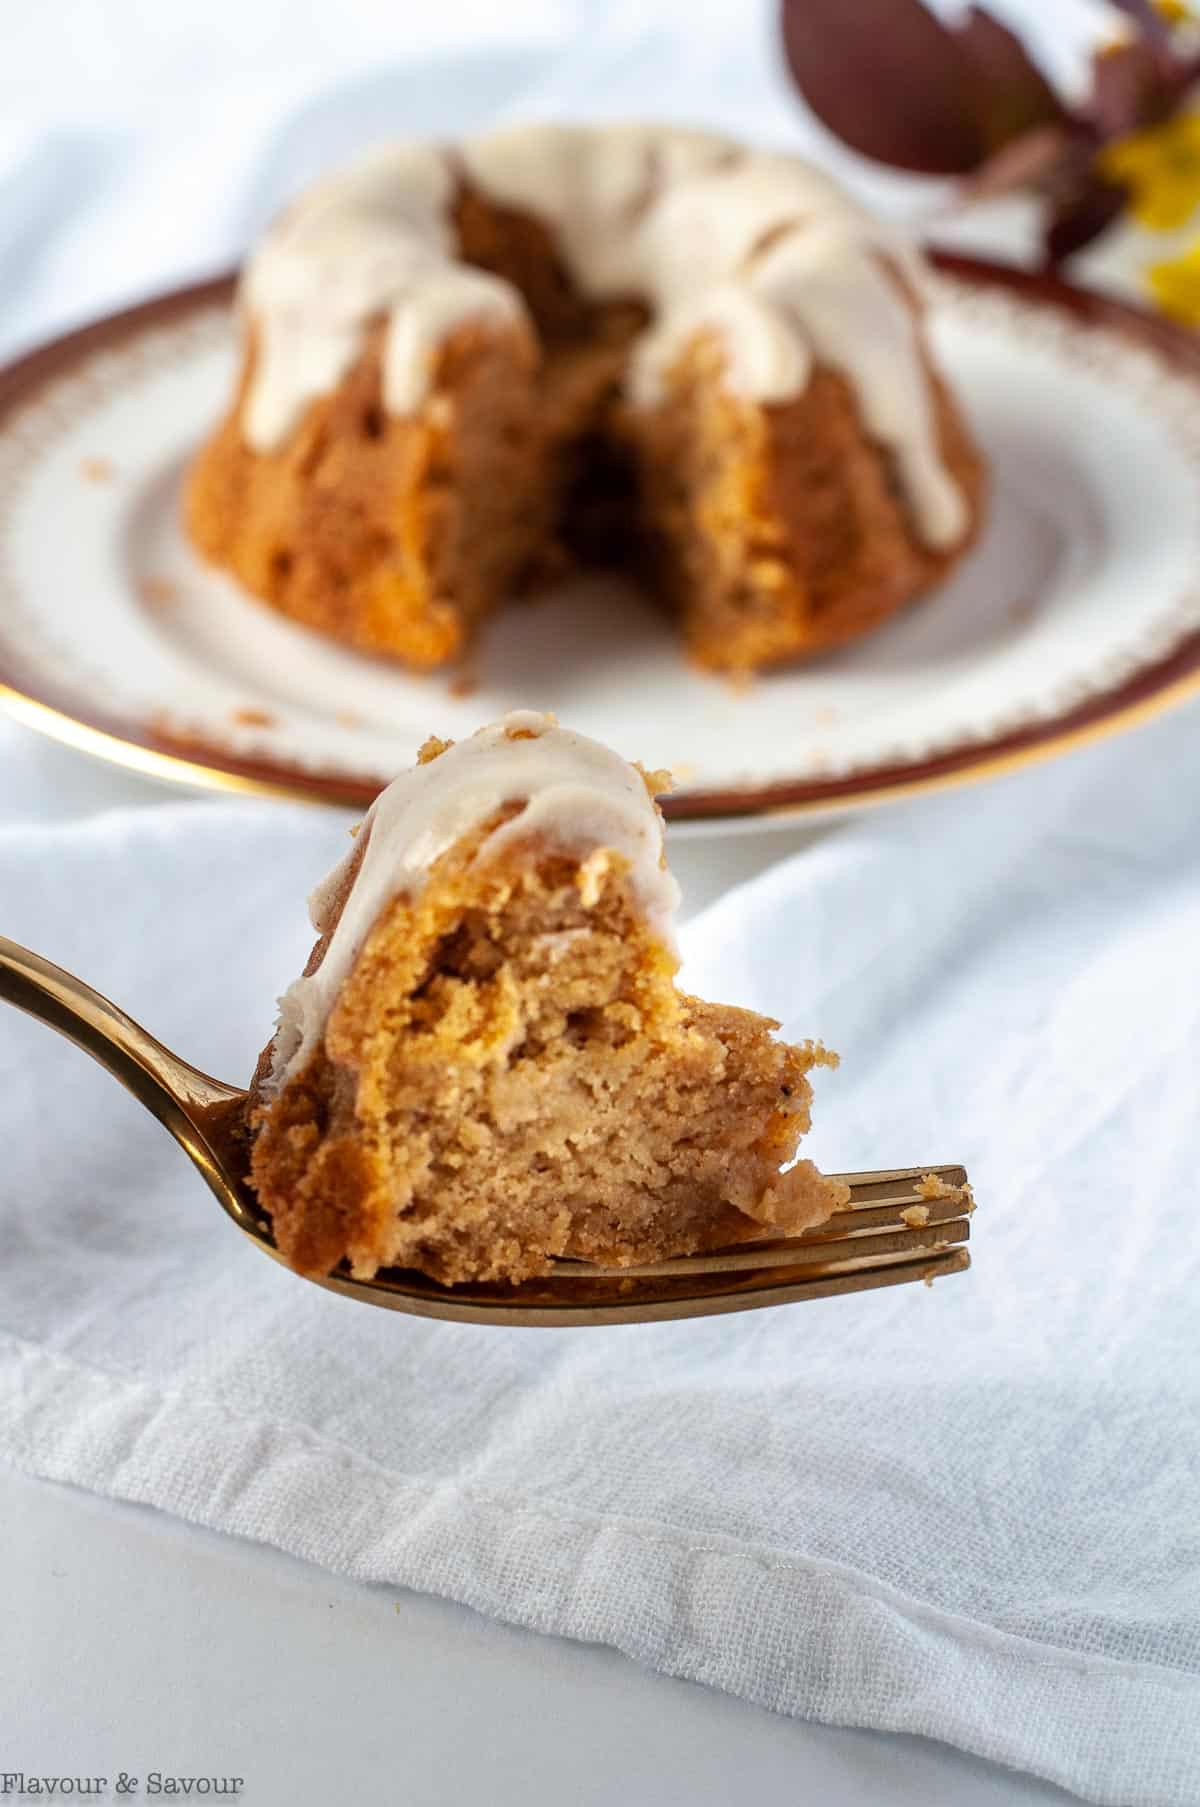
[[487, 1062]]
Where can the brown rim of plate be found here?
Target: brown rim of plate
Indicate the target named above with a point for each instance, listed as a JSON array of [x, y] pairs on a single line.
[[144, 747]]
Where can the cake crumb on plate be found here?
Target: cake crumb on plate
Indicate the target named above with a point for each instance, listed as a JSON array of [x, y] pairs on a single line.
[[158, 592]]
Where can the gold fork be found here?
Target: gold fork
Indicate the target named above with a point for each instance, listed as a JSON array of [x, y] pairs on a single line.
[[896, 1227]]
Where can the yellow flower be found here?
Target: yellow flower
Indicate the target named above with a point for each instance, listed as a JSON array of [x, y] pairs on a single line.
[[1160, 166], [1175, 12], [1175, 285]]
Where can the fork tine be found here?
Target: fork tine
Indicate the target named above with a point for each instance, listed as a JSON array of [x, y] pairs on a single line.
[[785, 1251], [751, 1291], [886, 1208], [893, 1225], [881, 1198], [868, 1188], [867, 1217], [928, 1268]]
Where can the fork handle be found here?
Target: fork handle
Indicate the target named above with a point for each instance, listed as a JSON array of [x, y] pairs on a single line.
[[158, 1078]]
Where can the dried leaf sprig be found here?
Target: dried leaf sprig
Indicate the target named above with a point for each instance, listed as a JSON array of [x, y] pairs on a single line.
[[968, 100]]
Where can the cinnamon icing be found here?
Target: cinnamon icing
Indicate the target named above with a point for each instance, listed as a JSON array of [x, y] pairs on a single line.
[[756, 246], [576, 794]]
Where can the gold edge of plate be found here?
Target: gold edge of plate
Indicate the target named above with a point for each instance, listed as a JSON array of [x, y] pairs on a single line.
[[153, 762], [999, 765]]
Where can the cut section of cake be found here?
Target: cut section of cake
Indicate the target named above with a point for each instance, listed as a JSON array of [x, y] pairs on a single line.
[[487, 1063]]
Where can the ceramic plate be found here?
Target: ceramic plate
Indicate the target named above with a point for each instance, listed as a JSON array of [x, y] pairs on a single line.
[[1078, 614]]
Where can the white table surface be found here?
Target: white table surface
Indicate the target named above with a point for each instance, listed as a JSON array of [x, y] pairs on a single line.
[[130, 1641]]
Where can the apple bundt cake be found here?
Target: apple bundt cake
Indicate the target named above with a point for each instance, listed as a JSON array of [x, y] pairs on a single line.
[[646, 345]]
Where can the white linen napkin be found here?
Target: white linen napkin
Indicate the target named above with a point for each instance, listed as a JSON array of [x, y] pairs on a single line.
[[969, 1512]]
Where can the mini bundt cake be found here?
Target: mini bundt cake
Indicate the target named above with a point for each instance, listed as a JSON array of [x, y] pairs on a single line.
[[647, 345], [487, 1063]]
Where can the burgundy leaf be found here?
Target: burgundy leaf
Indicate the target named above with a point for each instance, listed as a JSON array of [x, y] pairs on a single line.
[[1127, 90], [1012, 95], [1079, 218], [1025, 162], [888, 78], [1149, 21]]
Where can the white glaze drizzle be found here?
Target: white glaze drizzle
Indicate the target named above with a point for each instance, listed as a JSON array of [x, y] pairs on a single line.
[[757, 247], [577, 795], [372, 240]]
